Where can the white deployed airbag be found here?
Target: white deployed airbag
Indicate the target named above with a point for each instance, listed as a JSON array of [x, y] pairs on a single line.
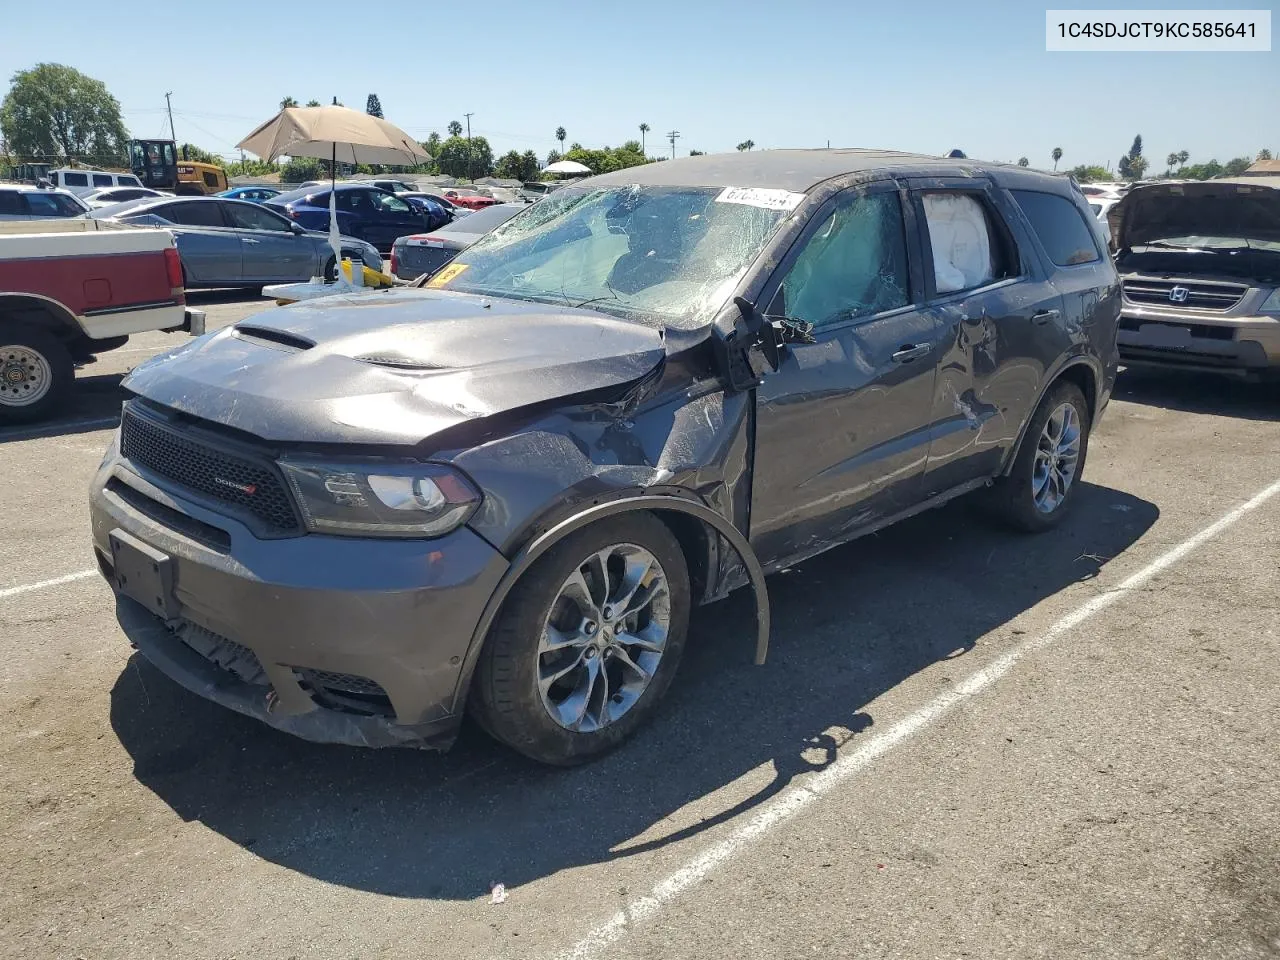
[[961, 243]]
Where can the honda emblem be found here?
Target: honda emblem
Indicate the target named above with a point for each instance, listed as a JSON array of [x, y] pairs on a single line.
[[1179, 295]]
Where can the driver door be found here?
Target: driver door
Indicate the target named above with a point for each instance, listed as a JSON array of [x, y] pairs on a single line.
[[842, 427], [272, 251]]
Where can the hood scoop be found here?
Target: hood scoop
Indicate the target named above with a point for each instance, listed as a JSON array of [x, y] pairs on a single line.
[[272, 337]]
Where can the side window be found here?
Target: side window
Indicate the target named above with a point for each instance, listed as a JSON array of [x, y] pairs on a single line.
[[970, 249], [350, 201], [249, 217], [11, 204], [854, 265], [52, 205], [102, 180], [193, 213], [75, 179], [210, 179], [390, 203], [1062, 230], [127, 181]]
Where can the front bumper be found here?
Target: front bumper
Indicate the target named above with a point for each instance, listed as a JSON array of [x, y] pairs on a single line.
[[278, 621], [1165, 338]]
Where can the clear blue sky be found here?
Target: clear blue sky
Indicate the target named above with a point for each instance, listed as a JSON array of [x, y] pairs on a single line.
[[925, 76]]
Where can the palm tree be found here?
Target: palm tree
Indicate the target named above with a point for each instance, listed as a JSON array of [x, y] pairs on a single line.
[[1057, 155], [746, 144], [313, 103], [1183, 157], [455, 128], [560, 135], [1024, 162], [644, 128], [1137, 167], [1169, 162], [288, 102]]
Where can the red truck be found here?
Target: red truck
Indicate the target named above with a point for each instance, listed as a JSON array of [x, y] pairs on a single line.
[[72, 289]]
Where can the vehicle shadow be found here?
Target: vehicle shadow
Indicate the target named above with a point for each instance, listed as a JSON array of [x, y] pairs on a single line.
[[1199, 393], [93, 405], [850, 625]]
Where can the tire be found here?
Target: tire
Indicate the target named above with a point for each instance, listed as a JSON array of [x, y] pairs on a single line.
[[507, 700], [330, 270], [1013, 498], [36, 373]]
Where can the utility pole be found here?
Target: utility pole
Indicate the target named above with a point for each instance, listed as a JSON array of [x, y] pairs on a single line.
[[673, 136], [470, 152], [172, 136]]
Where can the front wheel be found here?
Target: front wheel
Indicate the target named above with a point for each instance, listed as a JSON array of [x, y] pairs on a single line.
[[1039, 490], [36, 373], [586, 643]]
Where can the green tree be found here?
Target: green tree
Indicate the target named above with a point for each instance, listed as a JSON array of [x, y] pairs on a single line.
[[299, 169], [1236, 166], [432, 144], [288, 102], [1183, 157], [529, 165], [454, 128], [1057, 155], [1170, 162], [695, 153], [1024, 162], [1203, 171], [55, 112], [554, 156], [746, 144], [560, 135], [1125, 167], [1088, 173], [1137, 167], [373, 106], [189, 151], [314, 103], [1263, 154], [458, 158], [250, 167], [509, 166], [644, 128]]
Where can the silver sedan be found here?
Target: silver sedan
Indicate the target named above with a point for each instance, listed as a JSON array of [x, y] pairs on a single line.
[[233, 243]]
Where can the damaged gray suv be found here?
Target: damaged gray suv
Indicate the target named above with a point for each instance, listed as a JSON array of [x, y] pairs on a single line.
[[500, 491]]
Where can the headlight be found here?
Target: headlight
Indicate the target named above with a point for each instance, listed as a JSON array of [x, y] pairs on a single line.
[[1272, 303], [392, 499]]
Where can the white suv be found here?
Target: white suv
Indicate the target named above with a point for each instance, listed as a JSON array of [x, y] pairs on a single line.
[[20, 202], [84, 181]]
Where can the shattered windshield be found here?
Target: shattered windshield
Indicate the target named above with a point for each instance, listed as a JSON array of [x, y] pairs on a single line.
[[663, 255]]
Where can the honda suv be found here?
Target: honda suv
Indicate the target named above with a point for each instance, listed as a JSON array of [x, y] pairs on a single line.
[[502, 489]]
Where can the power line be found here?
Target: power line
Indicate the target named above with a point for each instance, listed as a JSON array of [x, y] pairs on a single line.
[[673, 136], [169, 104]]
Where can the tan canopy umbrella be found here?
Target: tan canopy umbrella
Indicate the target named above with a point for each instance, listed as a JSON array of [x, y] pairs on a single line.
[[339, 135]]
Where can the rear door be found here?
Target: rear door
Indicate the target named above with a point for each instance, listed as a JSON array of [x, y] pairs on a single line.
[[209, 246], [997, 313], [842, 427], [357, 216], [271, 251], [396, 218]]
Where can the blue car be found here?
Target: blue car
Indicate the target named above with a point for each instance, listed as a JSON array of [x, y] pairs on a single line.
[[437, 215], [375, 216], [252, 194]]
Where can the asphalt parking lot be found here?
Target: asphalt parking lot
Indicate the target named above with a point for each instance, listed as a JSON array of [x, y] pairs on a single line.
[[966, 743]]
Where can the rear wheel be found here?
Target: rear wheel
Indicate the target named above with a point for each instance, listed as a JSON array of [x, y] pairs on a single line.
[[36, 373], [330, 270], [1039, 490], [586, 643]]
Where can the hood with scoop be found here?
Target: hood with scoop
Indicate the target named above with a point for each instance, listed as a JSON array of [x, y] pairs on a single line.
[[394, 367], [1235, 209]]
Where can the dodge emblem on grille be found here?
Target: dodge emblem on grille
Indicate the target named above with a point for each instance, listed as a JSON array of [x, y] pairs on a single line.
[[248, 489], [1179, 295]]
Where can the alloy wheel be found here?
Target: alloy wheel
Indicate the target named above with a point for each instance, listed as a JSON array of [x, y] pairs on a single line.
[[1057, 458]]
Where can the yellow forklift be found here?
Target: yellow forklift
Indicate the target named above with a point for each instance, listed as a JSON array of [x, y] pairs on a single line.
[[156, 164]]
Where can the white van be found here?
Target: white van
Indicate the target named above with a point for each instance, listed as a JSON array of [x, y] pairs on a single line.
[[81, 182]]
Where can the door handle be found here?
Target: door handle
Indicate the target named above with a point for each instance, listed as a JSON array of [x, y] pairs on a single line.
[[910, 351], [1044, 316]]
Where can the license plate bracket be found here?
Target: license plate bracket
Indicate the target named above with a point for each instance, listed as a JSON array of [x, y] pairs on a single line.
[[1166, 335], [144, 574]]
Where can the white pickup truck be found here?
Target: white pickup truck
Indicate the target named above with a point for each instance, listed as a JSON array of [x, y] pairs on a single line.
[[71, 289]]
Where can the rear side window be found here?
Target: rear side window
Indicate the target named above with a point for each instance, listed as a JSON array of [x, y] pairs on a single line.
[[970, 246], [128, 181], [245, 216], [53, 205], [1061, 227], [77, 179], [102, 180], [11, 204]]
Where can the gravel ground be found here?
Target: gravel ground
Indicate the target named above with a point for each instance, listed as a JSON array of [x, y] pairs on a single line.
[[965, 743]]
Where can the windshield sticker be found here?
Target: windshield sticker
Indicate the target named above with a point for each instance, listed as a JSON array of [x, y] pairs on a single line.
[[447, 274], [761, 197]]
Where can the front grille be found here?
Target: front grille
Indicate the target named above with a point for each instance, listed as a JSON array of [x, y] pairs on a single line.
[[1200, 294], [233, 657], [252, 488], [345, 692]]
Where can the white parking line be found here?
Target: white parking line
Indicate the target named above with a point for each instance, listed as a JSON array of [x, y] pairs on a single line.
[[42, 584], [789, 804]]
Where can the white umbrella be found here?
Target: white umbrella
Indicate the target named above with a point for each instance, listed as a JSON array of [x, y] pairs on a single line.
[[339, 135], [566, 166]]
